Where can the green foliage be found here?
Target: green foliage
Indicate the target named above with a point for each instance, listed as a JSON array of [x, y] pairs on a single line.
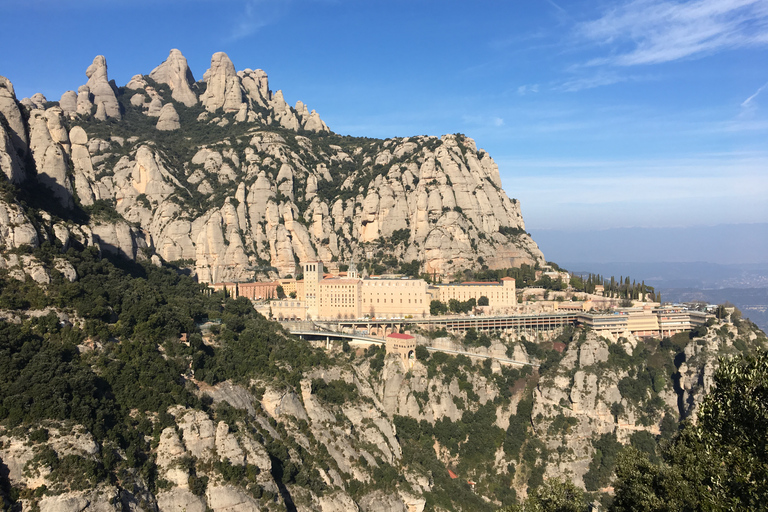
[[603, 461], [511, 232], [721, 463], [422, 354], [335, 392], [457, 306], [43, 377], [399, 236], [646, 443], [517, 432], [411, 269], [554, 495], [377, 361], [562, 425], [545, 353], [437, 307], [103, 210]]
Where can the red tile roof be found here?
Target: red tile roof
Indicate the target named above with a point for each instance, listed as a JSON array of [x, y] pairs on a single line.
[[400, 336], [452, 474]]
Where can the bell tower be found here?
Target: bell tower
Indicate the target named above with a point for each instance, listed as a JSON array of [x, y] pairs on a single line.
[[313, 274]]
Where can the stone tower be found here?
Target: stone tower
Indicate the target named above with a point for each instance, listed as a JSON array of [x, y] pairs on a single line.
[[313, 274]]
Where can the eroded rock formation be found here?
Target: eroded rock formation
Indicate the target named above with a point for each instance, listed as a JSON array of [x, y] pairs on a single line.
[[252, 185]]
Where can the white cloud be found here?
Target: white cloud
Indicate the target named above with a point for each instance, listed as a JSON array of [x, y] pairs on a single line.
[[748, 102], [656, 31], [590, 82], [257, 15], [528, 89]]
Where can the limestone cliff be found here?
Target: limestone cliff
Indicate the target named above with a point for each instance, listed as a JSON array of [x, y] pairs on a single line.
[[363, 432], [225, 174]]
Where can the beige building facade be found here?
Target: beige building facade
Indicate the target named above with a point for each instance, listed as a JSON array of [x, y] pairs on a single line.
[[501, 296], [390, 298], [352, 297]]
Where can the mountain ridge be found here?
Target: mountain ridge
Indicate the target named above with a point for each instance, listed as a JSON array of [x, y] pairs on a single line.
[[224, 173]]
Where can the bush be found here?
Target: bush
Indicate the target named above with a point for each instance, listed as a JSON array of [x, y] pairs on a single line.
[[334, 392], [603, 461]]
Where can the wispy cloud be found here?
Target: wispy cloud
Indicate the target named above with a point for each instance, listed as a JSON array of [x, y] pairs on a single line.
[[483, 121], [528, 89], [256, 15], [656, 31], [749, 101], [590, 82], [556, 6]]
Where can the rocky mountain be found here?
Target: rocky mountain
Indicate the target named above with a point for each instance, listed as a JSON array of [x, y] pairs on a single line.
[[104, 406], [126, 385], [224, 176]]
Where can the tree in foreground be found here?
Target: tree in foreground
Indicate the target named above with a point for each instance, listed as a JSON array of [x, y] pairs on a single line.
[[553, 495], [720, 463]]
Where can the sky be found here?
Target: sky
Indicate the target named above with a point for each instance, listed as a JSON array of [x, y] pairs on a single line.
[[600, 114]]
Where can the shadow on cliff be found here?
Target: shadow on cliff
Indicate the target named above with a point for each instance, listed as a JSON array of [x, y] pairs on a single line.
[[8, 495], [279, 474]]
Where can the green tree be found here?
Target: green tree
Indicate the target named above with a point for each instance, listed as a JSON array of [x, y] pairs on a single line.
[[721, 463], [553, 495], [482, 301], [437, 308]]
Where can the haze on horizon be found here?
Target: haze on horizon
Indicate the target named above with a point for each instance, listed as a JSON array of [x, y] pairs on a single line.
[[641, 113]]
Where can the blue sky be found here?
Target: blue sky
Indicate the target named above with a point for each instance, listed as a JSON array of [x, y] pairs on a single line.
[[600, 114]]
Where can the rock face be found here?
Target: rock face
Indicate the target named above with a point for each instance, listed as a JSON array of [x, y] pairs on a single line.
[[223, 89], [103, 96], [46, 137], [16, 230], [10, 110], [169, 119], [13, 139], [235, 454], [176, 74], [261, 201]]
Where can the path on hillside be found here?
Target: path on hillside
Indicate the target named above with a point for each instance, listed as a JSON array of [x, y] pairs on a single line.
[[358, 339]]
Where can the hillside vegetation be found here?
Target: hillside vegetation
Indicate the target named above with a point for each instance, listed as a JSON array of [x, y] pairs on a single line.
[[104, 402], [125, 384]]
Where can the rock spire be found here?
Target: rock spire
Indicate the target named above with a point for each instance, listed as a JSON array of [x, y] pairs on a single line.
[[100, 90], [175, 73]]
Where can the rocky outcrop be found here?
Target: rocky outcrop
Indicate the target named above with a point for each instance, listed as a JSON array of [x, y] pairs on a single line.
[[37, 101], [175, 72], [169, 119], [84, 176], [14, 142], [10, 162], [68, 103], [49, 154], [101, 93], [9, 109], [223, 90], [270, 200]]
